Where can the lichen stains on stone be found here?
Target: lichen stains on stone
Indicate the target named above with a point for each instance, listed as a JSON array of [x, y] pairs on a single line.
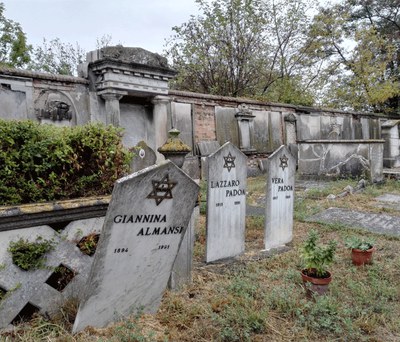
[[174, 145]]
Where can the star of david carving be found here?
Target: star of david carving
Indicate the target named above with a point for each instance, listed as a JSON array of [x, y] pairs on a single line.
[[284, 162], [229, 162], [162, 189]]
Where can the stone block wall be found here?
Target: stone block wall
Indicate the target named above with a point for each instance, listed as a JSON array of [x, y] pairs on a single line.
[[346, 158]]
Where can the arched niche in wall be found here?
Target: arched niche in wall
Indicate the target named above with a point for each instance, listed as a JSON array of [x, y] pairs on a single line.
[[56, 108]]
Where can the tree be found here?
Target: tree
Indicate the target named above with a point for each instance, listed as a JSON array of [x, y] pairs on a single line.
[[291, 70], [56, 57], [248, 48], [361, 39], [14, 50], [221, 51]]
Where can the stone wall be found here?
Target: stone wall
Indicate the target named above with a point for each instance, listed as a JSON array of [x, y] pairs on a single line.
[[341, 158], [133, 93]]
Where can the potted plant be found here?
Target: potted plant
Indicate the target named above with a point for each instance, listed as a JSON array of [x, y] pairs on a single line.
[[315, 275], [361, 250]]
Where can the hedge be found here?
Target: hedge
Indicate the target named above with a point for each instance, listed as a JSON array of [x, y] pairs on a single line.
[[40, 163]]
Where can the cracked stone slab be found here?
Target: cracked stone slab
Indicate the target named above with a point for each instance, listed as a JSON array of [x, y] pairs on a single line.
[[376, 223]]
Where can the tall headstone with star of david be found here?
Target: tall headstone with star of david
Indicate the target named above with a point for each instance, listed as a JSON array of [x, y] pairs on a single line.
[[281, 167], [226, 203], [143, 229]]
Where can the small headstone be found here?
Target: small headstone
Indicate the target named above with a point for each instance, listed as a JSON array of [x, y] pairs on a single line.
[[280, 198], [226, 203], [144, 157], [143, 229]]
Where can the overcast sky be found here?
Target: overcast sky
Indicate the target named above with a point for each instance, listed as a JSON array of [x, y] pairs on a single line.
[[136, 23]]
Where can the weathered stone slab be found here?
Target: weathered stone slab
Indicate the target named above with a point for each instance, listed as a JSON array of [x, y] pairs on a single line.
[[226, 203], [144, 157], [143, 229], [389, 198], [391, 201], [182, 271], [377, 223], [281, 167], [208, 147]]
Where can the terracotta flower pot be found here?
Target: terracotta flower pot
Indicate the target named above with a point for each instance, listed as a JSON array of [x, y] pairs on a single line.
[[360, 257], [314, 285]]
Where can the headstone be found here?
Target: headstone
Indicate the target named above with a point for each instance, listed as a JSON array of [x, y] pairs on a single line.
[[182, 271], [280, 198], [144, 157], [143, 229], [206, 148], [226, 203]]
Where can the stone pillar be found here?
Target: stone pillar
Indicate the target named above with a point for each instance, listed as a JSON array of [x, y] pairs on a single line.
[[160, 116], [245, 120], [291, 134], [112, 107]]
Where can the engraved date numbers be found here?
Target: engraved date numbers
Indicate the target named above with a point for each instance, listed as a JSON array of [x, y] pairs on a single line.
[[120, 250], [163, 247]]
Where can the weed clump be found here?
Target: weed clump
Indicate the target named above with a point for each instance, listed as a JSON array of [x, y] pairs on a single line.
[[30, 255]]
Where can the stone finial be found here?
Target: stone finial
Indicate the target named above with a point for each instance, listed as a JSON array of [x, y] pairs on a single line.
[[174, 148]]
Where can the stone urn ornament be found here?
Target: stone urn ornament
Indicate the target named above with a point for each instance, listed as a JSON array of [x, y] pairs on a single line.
[[174, 148]]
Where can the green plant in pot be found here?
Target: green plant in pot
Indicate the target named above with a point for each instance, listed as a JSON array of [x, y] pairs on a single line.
[[361, 250], [317, 258]]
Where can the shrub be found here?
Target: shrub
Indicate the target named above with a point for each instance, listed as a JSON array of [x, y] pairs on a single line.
[[41, 163]]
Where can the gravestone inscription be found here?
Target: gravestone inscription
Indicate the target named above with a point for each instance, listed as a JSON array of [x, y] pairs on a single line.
[[280, 198], [226, 203], [143, 229]]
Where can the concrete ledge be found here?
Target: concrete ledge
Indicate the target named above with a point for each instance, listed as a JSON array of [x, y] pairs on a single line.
[[36, 214]]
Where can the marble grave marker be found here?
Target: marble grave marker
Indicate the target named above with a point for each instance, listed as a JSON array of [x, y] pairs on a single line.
[[226, 203], [280, 198], [143, 229]]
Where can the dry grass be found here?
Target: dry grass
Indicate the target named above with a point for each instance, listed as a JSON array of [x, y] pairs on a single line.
[[259, 298]]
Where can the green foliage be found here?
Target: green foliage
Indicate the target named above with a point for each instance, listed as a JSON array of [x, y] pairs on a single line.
[[88, 243], [355, 242], [14, 50], [239, 315], [245, 48], [45, 163], [131, 330], [359, 41], [321, 315], [30, 255], [317, 258], [56, 57]]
